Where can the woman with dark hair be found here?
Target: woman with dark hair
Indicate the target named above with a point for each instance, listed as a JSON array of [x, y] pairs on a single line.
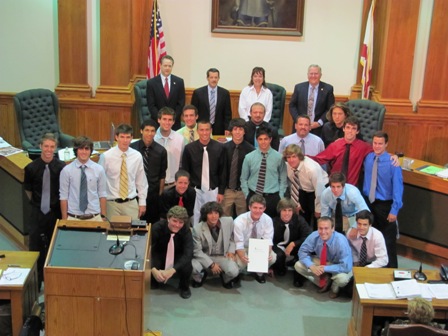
[[256, 91]]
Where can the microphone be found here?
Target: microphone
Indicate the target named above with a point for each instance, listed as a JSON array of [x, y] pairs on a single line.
[[419, 275], [118, 247]]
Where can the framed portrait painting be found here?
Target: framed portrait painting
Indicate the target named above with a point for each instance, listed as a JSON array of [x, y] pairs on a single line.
[[259, 17]]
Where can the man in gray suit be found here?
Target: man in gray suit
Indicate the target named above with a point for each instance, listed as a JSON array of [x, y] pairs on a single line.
[[214, 247]]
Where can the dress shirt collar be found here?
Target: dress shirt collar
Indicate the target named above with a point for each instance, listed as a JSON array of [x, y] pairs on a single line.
[[78, 164], [210, 89], [252, 88], [163, 78], [159, 134], [368, 235]]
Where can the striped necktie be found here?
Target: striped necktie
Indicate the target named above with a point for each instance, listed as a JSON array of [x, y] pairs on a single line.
[[83, 190], [124, 178], [212, 106], [261, 176]]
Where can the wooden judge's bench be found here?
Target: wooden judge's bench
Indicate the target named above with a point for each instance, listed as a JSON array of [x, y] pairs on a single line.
[[89, 291]]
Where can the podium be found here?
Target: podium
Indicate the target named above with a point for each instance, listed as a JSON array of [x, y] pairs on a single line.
[[88, 291]]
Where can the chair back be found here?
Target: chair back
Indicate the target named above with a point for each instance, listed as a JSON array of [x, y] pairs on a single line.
[[414, 330], [36, 111], [141, 101], [370, 114], [278, 106]]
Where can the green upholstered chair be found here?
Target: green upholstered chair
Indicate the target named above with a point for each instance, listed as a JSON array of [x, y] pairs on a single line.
[[278, 106], [141, 102], [370, 114], [37, 113]]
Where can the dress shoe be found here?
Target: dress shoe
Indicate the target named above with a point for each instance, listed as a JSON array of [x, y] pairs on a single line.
[[327, 285], [333, 295], [185, 293], [298, 280], [196, 284], [260, 278]]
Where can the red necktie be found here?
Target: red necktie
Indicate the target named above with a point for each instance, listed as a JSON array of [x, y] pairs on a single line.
[[181, 202], [323, 262], [166, 87]]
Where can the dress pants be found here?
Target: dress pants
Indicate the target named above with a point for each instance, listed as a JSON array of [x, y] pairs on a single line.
[[229, 267], [184, 273], [271, 202], [41, 231], [307, 202], [380, 210], [339, 280], [280, 264], [234, 197]]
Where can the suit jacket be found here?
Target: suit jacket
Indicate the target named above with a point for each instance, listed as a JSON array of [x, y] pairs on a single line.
[[157, 98], [298, 230], [298, 104], [203, 240], [251, 128], [223, 112]]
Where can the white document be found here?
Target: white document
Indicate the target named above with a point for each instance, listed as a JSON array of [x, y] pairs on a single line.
[[407, 289], [258, 254], [14, 276], [380, 291], [439, 291]]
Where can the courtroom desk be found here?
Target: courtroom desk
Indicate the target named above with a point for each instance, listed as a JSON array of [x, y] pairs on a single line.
[[425, 209], [22, 297], [364, 310], [15, 208], [88, 291]]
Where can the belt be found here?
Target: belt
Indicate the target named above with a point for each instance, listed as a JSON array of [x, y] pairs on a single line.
[[82, 216], [264, 194], [237, 189], [169, 184], [120, 200]]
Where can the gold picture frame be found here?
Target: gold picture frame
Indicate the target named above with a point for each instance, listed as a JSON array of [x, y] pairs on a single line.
[[258, 17]]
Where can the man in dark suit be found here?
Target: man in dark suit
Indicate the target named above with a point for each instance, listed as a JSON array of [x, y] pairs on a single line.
[[166, 90], [257, 112], [204, 96], [313, 98]]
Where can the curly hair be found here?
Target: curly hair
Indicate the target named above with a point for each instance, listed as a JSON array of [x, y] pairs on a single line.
[[420, 311]]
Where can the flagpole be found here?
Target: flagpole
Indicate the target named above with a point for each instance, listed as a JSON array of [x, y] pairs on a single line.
[[154, 12]]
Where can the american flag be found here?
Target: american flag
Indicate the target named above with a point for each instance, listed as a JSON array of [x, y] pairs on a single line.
[[367, 54], [156, 48]]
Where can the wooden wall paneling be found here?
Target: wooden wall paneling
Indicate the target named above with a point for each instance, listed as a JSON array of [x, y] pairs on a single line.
[[72, 38], [9, 129], [93, 118], [397, 22], [140, 26], [115, 50], [435, 87], [418, 136]]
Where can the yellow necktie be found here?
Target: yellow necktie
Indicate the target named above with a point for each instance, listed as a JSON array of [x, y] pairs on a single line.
[[123, 178]]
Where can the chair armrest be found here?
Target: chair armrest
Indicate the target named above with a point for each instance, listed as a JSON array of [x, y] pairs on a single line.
[[65, 140]]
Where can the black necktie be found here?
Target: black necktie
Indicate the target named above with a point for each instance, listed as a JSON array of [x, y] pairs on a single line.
[[345, 160], [363, 253], [338, 216], [215, 233], [234, 169]]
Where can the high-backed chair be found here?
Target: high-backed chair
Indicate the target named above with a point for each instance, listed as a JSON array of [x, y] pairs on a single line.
[[278, 106], [141, 102], [37, 113], [370, 114], [414, 330]]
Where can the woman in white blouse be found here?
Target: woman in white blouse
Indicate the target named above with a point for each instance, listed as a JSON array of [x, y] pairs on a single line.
[[256, 91]]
